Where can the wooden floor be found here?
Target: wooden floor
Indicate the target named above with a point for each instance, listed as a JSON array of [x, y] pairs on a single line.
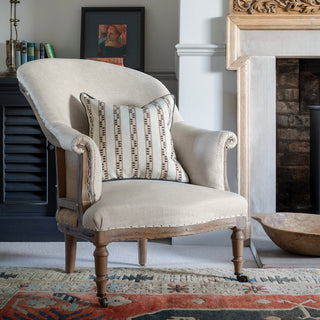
[[161, 254]]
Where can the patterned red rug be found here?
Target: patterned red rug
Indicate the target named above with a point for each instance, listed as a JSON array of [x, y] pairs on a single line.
[[202, 294]]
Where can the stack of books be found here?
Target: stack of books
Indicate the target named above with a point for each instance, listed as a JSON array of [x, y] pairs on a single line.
[[29, 51]]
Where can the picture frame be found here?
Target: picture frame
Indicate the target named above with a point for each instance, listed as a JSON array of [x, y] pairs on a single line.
[[114, 35]]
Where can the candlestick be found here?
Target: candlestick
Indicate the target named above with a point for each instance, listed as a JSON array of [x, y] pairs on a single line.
[[10, 44]]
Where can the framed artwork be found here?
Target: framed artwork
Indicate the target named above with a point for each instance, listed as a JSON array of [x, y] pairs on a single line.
[[114, 35]]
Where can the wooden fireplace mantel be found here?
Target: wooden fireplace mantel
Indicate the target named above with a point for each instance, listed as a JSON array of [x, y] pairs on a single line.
[[266, 20], [236, 23]]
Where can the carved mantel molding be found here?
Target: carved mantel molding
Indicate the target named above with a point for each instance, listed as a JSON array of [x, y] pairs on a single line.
[[275, 6]]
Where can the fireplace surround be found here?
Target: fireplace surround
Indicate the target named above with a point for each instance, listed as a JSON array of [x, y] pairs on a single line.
[[259, 32]]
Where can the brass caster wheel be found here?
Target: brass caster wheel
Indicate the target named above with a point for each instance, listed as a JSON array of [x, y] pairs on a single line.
[[242, 278], [103, 302]]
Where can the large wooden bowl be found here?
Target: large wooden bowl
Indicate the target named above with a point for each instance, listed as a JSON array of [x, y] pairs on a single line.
[[294, 232]]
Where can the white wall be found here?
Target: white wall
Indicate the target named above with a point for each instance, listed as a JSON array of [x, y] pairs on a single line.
[[203, 21], [59, 22]]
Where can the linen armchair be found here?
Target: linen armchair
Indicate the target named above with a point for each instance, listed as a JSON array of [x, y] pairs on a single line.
[[127, 209]]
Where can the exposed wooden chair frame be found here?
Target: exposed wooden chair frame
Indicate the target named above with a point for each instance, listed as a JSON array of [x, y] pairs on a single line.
[[102, 238]]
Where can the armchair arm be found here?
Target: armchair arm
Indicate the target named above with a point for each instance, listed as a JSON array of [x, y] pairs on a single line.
[[72, 140], [64, 136], [203, 154]]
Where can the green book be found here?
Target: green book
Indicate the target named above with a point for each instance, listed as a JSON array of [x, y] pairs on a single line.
[[30, 51], [49, 50]]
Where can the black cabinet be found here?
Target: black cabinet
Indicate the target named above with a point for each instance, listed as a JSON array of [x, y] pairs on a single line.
[[27, 172]]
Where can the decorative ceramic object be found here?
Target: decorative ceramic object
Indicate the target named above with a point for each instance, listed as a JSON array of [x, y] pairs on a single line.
[[294, 232]]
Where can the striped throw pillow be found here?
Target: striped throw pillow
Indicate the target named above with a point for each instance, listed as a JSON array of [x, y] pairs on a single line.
[[134, 143]]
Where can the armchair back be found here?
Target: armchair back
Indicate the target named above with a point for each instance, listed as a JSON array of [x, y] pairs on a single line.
[[57, 90]]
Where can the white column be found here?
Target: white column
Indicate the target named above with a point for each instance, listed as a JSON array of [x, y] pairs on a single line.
[[201, 79], [207, 92], [201, 51]]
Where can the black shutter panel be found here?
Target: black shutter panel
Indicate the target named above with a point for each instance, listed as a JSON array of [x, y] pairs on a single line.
[[25, 157]]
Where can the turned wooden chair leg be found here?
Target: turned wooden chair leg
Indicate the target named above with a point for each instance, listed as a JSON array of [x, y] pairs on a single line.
[[70, 252], [237, 238], [101, 268], [142, 244]]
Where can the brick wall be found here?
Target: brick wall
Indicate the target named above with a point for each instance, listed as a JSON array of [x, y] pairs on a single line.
[[293, 123]]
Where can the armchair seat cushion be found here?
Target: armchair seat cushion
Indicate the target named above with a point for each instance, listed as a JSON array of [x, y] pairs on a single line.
[[151, 203]]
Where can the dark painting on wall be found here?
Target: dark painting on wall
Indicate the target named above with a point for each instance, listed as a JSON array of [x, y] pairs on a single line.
[[114, 35]]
